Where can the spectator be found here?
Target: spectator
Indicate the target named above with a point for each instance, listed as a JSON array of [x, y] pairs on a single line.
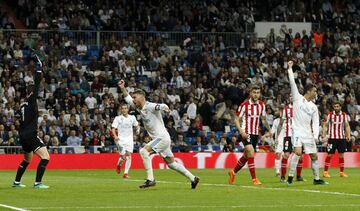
[[73, 140]]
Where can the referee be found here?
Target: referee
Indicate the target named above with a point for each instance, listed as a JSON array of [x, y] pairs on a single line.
[[29, 140]]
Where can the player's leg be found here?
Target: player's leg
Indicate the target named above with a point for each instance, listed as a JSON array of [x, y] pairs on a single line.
[[242, 161], [330, 150], [121, 157], [251, 159], [311, 149], [287, 149], [127, 164], [170, 161], [299, 169], [341, 149], [284, 162], [45, 157], [145, 153], [297, 145], [277, 164], [21, 169]]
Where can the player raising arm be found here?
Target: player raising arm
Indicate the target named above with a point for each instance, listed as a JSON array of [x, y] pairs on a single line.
[[153, 122], [305, 127], [30, 142]]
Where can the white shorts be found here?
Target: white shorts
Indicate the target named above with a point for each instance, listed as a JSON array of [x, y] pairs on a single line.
[[161, 146], [280, 145], [308, 144], [124, 147]]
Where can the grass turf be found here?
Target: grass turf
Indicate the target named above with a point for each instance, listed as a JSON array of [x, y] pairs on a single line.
[[106, 190]]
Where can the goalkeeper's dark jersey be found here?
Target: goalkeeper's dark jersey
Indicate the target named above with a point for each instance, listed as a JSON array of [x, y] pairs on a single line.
[[29, 111]]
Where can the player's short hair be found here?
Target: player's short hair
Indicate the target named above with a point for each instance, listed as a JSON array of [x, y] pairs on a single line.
[[336, 102], [139, 92], [309, 87], [255, 87], [124, 104]]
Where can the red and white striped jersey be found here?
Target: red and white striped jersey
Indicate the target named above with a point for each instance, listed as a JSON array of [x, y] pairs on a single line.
[[336, 123], [250, 114], [287, 116]]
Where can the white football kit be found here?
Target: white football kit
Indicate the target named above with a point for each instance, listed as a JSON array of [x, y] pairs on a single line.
[[305, 125], [124, 126], [154, 125]]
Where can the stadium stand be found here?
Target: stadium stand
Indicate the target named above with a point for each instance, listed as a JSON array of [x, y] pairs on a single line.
[[208, 60]]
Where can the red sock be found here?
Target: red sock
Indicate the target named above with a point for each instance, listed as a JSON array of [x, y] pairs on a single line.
[[251, 166], [341, 164], [241, 162], [299, 168], [283, 166], [327, 163]]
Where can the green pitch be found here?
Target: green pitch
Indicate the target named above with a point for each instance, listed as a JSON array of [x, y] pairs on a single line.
[[105, 190]]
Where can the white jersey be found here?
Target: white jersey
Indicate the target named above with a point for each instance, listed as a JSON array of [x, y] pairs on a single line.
[[306, 114], [152, 118], [124, 126]]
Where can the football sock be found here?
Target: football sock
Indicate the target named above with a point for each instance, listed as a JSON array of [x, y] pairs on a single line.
[[21, 169], [41, 170], [277, 165], [241, 163], [182, 170], [341, 164], [315, 168], [327, 163], [120, 161], [127, 164], [145, 155], [294, 161], [283, 166], [251, 166], [299, 168]]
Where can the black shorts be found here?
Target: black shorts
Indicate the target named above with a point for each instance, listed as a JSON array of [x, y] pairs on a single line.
[[336, 144], [288, 147], [31, 144], [252, 139]]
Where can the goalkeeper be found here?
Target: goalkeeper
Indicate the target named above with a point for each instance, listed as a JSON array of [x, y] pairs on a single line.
[[30, 142]]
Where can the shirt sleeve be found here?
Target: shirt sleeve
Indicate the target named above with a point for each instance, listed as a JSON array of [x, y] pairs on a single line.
[[115, 123], [135, 122], [240, 111], [128, 99], [294, 90], [156, 107], [315, 123]]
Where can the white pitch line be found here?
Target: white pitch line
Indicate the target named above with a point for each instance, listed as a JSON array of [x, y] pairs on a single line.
[[196, 206], [12, 208], [263, 188]]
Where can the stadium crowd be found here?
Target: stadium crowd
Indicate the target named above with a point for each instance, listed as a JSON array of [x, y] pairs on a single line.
[[202, 81]]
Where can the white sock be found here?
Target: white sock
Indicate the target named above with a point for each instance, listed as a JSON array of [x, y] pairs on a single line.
[[294, 161], [315, 168], [120, 161], [145, 155], [182, 170], [127, 164], [277, 165]]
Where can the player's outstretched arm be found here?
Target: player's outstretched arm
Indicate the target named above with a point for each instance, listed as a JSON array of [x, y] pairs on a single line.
[[121, 85], [294, 90]]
